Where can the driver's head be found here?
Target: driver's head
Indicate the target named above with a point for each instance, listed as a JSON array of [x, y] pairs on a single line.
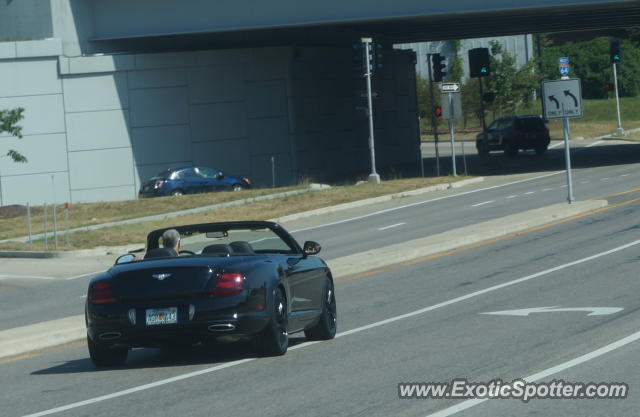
[[171, 239]]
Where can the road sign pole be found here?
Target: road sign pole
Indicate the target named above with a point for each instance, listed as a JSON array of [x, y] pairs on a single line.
[[567, 156], [453, 140], [434, 122], [484, 124], [619, 130], [373, 177]]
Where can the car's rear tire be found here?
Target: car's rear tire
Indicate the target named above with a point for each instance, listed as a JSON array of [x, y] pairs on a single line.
[[237, 187], [326, 327], [482, 148], [177, 193], [274, 338], [540, 150], [104, 357], [510, 149]]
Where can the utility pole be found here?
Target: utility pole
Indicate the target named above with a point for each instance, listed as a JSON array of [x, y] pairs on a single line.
[[434, 122], [374, 176]]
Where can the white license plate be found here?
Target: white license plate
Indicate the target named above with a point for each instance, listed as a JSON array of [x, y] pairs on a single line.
[[156, 316]]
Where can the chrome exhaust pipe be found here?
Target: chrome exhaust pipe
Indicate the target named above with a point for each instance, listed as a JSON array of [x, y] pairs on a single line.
[[110, 336], [224, 327]]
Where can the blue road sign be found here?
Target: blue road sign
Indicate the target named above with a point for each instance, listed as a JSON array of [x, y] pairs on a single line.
[[563, 66]]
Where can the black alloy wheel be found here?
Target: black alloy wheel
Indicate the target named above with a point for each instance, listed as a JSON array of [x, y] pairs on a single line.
[[274, 339], [326, 327]]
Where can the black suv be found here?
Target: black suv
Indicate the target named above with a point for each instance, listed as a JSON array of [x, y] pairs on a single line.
[[511, 134]]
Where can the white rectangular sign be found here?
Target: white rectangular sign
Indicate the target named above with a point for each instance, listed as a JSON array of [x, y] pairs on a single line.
[[450, 87], [562, 98]]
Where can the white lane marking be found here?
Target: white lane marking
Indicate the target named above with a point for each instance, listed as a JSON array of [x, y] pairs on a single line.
[[483, 203], [594, 144], [512, 196], [85, 275], [625, 175], [424, 202], [524, 312], [529, 192], [392, 226], [604, 179], [24, 276], [342, 334], [547, 189], [563, 186], [465, 405], [584, 182], [555, 145]]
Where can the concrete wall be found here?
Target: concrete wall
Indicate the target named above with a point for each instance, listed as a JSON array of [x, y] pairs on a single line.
[[25, 20], [96, 126], [332, 134]]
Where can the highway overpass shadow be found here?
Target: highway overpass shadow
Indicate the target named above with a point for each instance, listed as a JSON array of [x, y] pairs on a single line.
[[167, 357], [496, 163]]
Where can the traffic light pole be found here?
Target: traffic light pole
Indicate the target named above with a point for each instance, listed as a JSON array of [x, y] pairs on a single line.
[[453, 139], [484, 124], [374, 176], [619, 130], [434, 123]]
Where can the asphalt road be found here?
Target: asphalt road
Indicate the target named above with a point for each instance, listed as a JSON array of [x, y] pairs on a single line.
[[416, 323], [599, 170]]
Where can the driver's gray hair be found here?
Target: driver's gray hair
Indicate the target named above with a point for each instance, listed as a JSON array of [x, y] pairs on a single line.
[[170, 238]]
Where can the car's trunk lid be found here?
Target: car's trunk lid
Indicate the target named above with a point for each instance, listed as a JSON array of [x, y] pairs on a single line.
[[158, 282]]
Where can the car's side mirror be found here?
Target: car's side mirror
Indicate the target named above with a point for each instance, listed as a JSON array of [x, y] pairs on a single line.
[[311, 248], [123, 259]]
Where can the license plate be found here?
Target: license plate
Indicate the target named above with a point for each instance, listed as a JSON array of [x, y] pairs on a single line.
[[157, 316]]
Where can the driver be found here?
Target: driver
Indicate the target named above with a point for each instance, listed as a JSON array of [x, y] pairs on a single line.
[[171, 240]]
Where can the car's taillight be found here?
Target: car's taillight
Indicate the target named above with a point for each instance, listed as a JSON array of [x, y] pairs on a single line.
[[158, 184], [101, 293], [228, 283], [246, 181]]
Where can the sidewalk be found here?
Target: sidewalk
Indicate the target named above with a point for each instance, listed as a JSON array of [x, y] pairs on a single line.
[[52, 333]]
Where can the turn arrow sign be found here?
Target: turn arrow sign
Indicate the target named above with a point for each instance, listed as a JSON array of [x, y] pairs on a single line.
[[593, 311]]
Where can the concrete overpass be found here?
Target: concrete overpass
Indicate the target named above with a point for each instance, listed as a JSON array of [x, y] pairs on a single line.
[[166, 23]]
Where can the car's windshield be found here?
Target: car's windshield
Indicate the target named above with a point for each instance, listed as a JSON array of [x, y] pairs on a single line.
[[235, 240]]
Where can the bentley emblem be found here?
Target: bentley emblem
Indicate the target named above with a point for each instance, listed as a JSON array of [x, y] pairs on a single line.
[[161, 277]]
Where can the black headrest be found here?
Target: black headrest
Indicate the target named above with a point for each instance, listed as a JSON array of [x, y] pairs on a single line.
[[218, 249], [160, 253], [241, 247]]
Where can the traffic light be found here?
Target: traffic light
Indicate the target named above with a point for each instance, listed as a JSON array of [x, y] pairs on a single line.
[[479, 65], [438, 66], [614, 51], [437, 111]]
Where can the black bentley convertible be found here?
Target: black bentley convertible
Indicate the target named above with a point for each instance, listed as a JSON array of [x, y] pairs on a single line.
[[231, 281]]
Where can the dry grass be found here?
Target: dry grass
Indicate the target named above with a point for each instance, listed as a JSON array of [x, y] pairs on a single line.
[[131, 234], [85, 214]]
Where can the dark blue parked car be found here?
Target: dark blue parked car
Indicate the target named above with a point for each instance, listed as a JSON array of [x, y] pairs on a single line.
[[190, 180]]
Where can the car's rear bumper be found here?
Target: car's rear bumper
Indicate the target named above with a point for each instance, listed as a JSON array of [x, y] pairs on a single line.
[[119, 331]]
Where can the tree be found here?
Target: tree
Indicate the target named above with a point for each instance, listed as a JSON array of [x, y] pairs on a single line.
[[589, 61], [513, 87], [9, 123]]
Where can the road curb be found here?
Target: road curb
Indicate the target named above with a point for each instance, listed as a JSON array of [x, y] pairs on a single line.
[[56, 332], [457, 238], [374, 200]]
